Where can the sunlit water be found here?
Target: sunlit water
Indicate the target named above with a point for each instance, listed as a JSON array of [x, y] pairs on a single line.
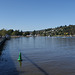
[[40, 55]]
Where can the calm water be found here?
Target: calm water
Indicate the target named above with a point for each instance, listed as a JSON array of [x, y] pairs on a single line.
[[40, 55]]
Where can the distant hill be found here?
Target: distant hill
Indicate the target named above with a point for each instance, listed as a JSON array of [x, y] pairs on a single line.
[[62, 30]]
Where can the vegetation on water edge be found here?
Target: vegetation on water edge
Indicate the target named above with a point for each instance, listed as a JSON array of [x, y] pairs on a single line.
[[62, 30]]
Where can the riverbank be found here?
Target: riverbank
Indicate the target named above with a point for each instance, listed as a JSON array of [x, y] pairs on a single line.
[[2, 41]]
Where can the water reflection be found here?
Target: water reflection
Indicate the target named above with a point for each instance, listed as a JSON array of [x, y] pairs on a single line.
[[51, 56], [20, 63], [7, 65]]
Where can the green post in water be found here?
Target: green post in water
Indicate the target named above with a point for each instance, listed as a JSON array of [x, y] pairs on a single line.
[[19, 59]]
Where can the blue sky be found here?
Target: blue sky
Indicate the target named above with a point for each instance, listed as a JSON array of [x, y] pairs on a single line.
[[28, 15]]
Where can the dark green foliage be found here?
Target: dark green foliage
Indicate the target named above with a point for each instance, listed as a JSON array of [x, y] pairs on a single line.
[[21, 33], [34, 32], [3, 32], [9, 32], [62, 30], [26, 33]]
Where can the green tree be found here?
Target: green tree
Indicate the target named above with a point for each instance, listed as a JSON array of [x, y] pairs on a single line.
[[21, 33], [34, 32], [45, 32], [16, 32], [3, 32], [13, 33], [26, 33], [9, 32]]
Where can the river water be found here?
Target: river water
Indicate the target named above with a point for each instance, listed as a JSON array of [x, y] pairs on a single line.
[[40, 56]]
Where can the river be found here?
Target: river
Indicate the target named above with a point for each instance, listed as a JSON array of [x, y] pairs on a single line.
[[40, 56]]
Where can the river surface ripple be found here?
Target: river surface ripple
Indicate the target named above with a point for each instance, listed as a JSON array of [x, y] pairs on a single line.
[[40, 55]]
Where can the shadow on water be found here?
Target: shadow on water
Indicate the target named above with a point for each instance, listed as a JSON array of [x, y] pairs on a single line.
[[7, 66], [1, 49], [37, 66], [31, 61]]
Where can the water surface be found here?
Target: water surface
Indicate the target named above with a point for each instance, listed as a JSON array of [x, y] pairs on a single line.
[[40, 55]]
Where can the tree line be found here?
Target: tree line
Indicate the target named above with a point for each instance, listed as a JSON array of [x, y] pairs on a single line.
[[61, 30], [12, 32]]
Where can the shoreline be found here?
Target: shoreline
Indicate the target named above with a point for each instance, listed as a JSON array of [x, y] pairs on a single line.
[[44, 36], [2, 41]]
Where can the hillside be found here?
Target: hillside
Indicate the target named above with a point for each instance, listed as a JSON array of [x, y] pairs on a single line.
[[62, 30]]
